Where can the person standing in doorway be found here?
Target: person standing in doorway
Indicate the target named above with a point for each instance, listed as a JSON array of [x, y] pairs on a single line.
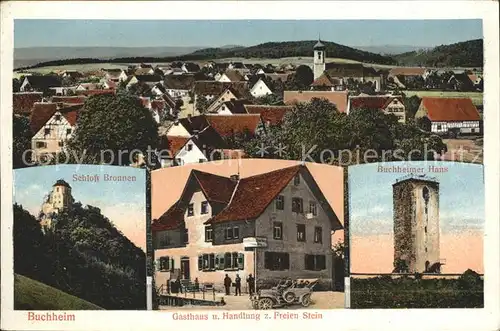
[[251, 284], [227, 284], [237, 282]]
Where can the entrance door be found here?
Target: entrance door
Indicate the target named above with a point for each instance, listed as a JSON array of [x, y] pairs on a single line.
[[185, 268]]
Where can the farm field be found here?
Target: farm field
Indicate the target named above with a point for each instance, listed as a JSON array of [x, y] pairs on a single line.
[[464, 150], [79, 67], [477, 97]]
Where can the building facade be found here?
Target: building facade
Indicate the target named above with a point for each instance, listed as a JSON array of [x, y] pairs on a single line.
[[416, 223], [202, 235]]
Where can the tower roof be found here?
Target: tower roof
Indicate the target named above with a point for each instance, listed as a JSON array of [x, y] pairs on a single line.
[[319, 45], [61, 182], [415, 177]]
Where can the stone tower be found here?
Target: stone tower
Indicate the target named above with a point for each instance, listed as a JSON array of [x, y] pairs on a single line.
[[58, 199], [319, 59], [416, 223]]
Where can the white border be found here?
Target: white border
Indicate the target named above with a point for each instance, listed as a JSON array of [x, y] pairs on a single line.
[[435, 319]]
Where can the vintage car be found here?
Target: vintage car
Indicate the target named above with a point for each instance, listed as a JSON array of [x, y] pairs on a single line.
[[285, 293]]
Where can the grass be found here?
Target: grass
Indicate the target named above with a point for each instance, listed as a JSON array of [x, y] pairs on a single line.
[[30, 294], [477, 97]]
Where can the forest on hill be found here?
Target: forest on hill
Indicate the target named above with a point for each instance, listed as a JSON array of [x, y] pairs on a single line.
[[463, 54], [84, 256]]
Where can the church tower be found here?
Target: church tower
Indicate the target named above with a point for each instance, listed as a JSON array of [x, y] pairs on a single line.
[[319, 59], [416, 223], [58, 199]]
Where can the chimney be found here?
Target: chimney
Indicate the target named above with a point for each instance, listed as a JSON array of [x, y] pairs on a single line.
[[235, 178]]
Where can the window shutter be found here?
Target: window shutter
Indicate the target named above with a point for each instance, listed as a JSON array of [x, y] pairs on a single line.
[[286, 261], [172, 264], [241, 261], [220, 265], [200, 262], [322, 262], [157, 265], [306, 261]]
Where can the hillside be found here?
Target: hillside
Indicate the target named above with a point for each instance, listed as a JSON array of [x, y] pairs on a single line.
[[462, 54], [30, 294], [273, 50]]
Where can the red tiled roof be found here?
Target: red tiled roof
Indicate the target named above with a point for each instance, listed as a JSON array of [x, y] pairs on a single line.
[[95, 92], [324, 80], [237, 106], [269, 114], [69, 99], [41, 113], [216, 188], [158, 105], [23, 102], [339, 98], [254, 194], [174, 144], [71, 113], [172, 219], [450, 109], [407, 71], [227, 125]]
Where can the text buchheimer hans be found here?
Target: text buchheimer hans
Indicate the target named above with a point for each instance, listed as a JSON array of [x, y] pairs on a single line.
[[106, 178], [45, 317], [411, 170]]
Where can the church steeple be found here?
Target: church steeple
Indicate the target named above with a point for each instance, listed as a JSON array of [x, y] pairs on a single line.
[[319, 51]]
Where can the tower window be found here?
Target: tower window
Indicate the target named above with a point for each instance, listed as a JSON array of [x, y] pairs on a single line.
[[319, 55], [425, 194]]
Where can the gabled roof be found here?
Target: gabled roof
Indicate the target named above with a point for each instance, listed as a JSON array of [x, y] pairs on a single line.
[[237, 106], [143, 71], [194, 124], [276, 76], [326, 80], [179, 82], [148, 78], [95, 92], [269, 114], [339, 98], [407, 71], [450, 109], [41, 113], [22, 102], [227, 125], [209, 87], [113, 73], [172, 219], [349, 70], [238, 65], [210, 138], [372, 102], [192, 67], [319, 45], [234, 75], [168, 100], [69, 99], [173, 144], [44, 82]]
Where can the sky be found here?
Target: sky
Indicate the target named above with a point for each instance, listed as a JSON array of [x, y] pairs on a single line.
[[123, 203], [214, 33], [461, 216]]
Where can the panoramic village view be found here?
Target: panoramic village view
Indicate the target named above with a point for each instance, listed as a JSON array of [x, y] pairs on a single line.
[[339, 93]]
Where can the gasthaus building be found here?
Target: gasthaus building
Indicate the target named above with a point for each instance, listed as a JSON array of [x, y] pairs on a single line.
[[273, 225]]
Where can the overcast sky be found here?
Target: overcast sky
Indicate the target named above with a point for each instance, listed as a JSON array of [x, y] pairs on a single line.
[[144, 33]]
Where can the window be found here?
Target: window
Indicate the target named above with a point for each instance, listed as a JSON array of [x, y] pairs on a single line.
[[425, 229], [278, 230], [208, 233], [232, 233], [68, 131], [186, 236], [439, 127], [312, 208], [190, 147], [319, 55], [280, 202], [47, 131], [206, 262], [315, 262], [163, 239], [211, 261], [190, 209], [164, 263], [276, 261], [228, 260], [57, 117], [236, 232], [204, 207], [201, 160], [297, 205], [318, 235], [301, 232], [40, 144], [229, 233], [61, 143], [296, 180]]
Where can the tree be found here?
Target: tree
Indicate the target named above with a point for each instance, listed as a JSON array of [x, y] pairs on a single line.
[[202, 105], [111, 126], [411, 106], [16, 84], [302, 78], [21, 141], [141, 90], [269, 99], [424, 123]]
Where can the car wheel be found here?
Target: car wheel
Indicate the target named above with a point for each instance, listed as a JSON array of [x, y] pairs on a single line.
[[265, 303], [289, 297], [306, 300]]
